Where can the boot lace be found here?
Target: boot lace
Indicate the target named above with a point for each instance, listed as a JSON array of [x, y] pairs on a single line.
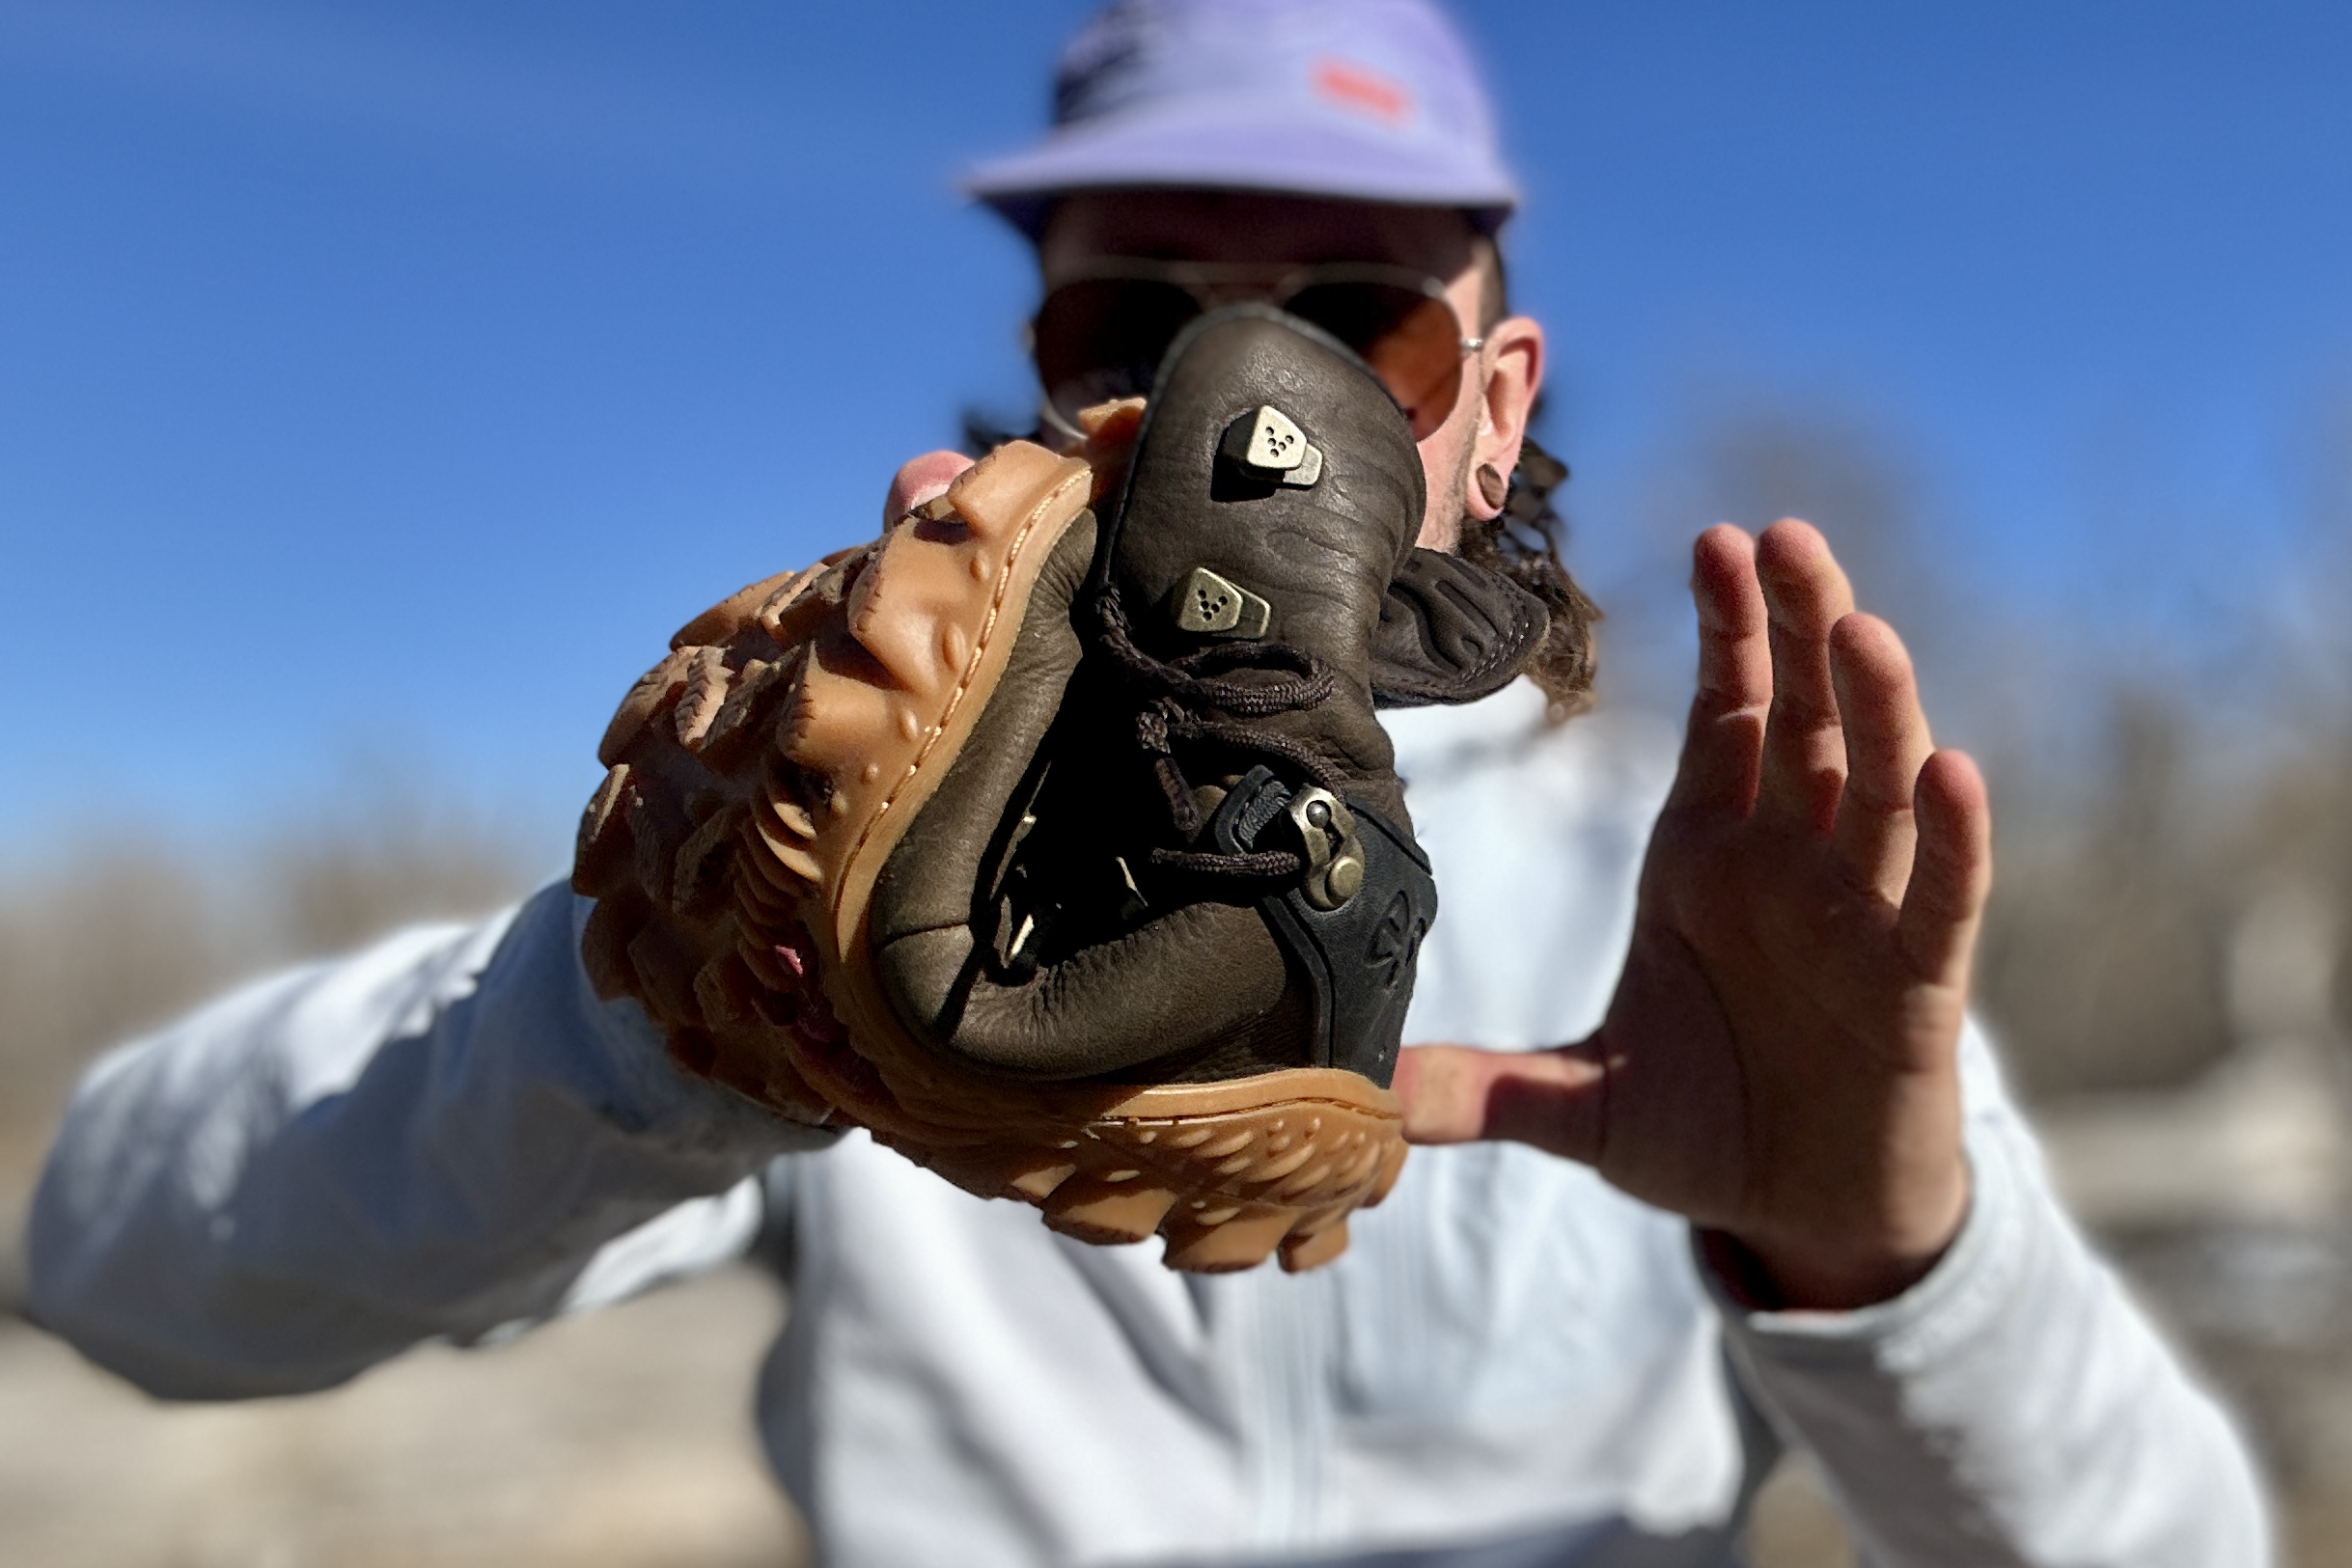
[[1178, 702]]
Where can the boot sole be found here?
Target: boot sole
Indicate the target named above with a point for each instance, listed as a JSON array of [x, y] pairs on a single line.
[[876, 665]]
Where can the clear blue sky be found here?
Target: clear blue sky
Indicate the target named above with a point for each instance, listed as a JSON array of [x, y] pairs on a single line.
[[391, 378]]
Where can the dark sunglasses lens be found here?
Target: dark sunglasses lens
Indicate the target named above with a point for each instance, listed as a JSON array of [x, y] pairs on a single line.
[[1102, 338], [1412, 342]]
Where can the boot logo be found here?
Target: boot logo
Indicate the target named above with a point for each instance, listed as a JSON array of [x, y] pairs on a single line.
[[1397, 940], [1216, 606], [1268, 446]]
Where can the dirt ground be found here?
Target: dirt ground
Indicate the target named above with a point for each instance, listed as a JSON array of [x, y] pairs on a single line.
[[623, 1439]]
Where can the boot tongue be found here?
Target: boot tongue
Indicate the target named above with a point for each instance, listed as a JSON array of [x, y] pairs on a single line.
[[1275, 493]]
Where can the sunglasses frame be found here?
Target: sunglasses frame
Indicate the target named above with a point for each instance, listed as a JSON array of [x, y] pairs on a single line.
[[1215, 283]]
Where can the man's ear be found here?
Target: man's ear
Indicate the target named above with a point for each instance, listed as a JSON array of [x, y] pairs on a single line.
[[1511, 363]]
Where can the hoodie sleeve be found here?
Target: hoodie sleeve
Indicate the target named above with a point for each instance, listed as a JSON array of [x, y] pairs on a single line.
[[2015, 1405], [446, 1135]]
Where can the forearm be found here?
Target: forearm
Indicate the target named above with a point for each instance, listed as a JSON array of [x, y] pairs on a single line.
[[431, 1138], [2013, 1406]]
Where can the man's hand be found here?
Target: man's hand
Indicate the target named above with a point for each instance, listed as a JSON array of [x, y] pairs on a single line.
[[1779, 1062], [919, 479]]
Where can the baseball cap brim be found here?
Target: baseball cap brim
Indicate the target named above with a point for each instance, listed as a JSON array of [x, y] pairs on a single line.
[[1244, 144]]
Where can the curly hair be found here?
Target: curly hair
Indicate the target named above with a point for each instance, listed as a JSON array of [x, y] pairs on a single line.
[[1523, 544]]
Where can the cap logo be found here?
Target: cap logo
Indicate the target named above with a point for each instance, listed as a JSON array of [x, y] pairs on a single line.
[[1348, 86]]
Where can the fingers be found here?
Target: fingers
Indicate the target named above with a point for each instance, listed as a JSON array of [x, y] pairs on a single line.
[[1454, 1094], [1886, 743], [1727, 722], [1806, 594], [921, 479], [1952, 868]]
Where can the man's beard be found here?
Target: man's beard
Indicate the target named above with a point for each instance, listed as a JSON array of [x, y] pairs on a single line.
[[1458, 486]]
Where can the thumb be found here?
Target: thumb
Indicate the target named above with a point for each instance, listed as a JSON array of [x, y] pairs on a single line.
[[1455, 1094], [920, 479]]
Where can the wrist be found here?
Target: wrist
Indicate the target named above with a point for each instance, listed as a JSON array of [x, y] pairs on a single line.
[[1767, 1272]]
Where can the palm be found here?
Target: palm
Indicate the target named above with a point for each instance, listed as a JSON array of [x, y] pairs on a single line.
[[1779, 1060]]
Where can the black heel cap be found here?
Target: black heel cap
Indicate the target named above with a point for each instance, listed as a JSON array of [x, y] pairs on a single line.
[[1357, 959]]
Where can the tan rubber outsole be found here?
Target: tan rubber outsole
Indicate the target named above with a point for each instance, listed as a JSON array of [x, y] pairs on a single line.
[[809, 719]]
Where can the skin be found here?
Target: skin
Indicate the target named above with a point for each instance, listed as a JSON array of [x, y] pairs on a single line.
[[1779, 1061]]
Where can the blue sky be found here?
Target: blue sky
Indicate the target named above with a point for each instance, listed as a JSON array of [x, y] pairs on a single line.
[[387, 380]]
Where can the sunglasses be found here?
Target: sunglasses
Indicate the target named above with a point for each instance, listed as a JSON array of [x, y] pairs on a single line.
[[1101, 334]]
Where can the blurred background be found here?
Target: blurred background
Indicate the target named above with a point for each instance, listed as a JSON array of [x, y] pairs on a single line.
[[379, 382]]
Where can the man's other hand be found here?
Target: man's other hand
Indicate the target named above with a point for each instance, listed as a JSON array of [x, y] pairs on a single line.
[[1780, 1060], [920, 479]]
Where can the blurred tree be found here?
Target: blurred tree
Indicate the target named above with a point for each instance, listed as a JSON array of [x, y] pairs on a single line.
[[112, 934], [1752, 462], [2102, 964]]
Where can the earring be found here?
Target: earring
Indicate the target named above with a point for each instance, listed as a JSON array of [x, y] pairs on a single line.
[[1493, 486]]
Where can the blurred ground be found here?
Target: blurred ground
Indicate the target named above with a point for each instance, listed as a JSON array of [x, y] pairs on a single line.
[[618, 1441]]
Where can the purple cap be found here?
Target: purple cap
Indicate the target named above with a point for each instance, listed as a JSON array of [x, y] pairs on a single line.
[[1373, 101]]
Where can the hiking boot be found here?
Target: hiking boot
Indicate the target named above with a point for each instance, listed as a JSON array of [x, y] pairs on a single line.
[[1075, 866]]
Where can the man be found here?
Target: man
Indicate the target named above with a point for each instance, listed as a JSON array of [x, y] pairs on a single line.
[[1805, 1211]]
